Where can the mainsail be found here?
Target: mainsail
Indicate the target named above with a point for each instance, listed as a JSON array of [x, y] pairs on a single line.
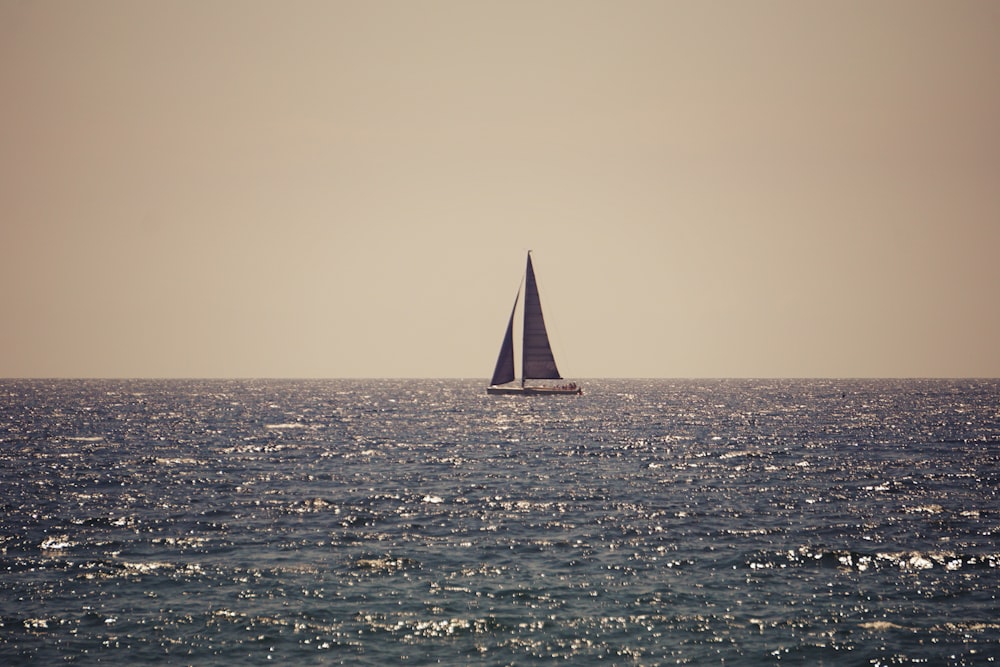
[[537, 362]]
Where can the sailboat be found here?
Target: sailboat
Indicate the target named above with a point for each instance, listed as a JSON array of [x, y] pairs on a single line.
[[537, 362]]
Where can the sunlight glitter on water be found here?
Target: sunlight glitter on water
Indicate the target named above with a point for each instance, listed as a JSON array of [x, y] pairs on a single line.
[[646, 522]]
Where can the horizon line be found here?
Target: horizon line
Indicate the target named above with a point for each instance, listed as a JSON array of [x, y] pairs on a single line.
[[486, 379]]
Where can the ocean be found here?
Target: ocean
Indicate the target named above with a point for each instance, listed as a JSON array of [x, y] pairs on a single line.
[[375, 522]]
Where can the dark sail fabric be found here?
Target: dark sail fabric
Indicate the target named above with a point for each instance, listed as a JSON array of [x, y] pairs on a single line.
[[504, 371], [538, 362]]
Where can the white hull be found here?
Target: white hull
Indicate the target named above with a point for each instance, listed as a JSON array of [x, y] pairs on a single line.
[[534, 391]]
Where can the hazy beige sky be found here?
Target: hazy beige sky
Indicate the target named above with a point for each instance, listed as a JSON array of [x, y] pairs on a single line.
[[347, 189]]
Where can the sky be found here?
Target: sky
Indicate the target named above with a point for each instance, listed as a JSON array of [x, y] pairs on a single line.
[[245, 188]]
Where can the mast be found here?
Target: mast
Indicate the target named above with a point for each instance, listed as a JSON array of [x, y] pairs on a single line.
[[537, 361]]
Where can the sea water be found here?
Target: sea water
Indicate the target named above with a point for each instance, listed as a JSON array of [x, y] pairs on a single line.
[[423, 522]]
